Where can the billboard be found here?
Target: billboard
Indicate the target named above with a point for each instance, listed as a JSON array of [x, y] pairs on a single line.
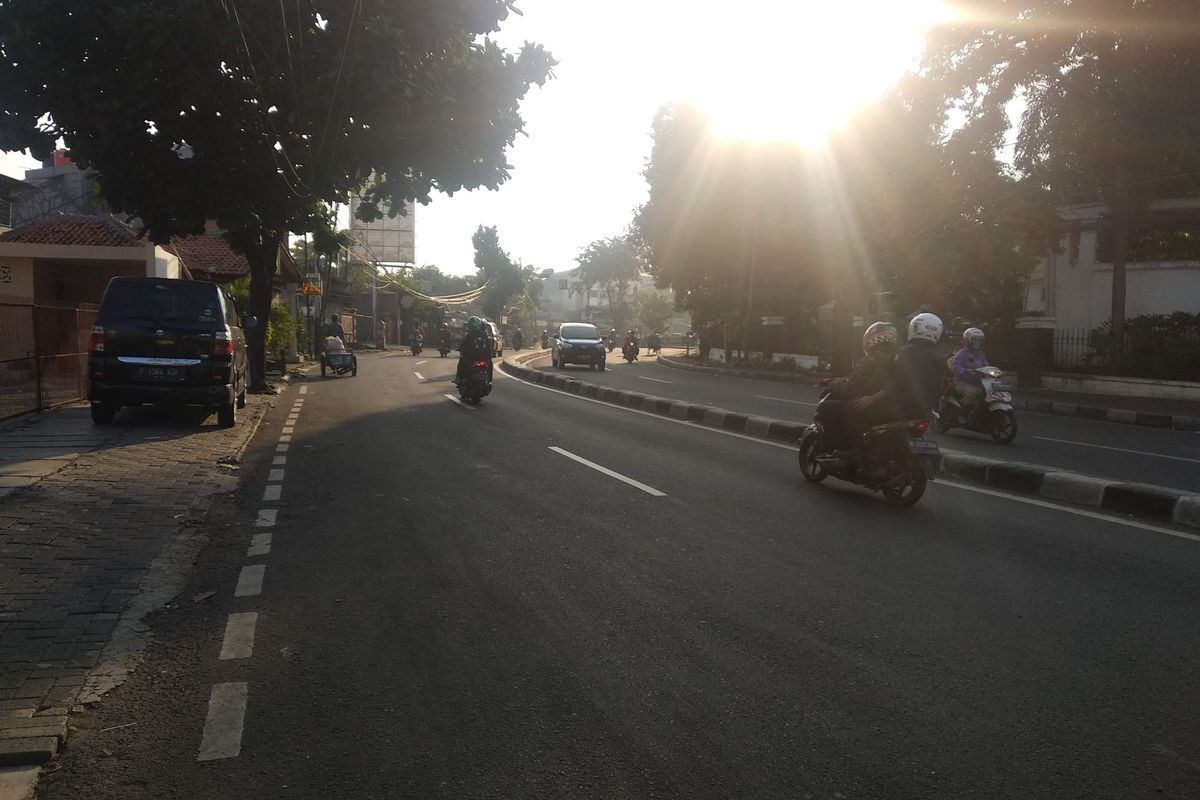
[[389, 240]]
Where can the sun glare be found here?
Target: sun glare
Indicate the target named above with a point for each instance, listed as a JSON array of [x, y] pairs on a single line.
[[797, 69]]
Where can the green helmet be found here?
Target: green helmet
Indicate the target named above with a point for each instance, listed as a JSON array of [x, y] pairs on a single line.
[[474, 323]]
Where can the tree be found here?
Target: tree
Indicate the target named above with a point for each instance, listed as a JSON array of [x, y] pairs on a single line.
[[653, 309], [505, 278], [612, 264], [1109, 91], [256, 113]]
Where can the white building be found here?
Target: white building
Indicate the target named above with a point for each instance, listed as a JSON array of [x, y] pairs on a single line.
[[563, 297], [1073, 288]]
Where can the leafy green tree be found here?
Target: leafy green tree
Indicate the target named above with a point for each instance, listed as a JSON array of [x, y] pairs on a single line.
[[504, 277], [1110, 91], [653, 309], [257, 113], [612, 264]]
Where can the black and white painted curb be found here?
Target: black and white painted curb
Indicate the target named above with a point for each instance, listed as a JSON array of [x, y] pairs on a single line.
[[1135, 499], [1125, 416]]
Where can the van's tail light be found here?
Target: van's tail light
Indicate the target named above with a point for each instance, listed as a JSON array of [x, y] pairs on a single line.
[[223, 343], [96, 339]]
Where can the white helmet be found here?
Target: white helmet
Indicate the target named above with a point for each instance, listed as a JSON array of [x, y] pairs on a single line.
[[925, 326], [973, 338]]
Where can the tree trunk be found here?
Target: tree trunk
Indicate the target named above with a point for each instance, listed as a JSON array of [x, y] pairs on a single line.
[[1120, 254], [263, 260]]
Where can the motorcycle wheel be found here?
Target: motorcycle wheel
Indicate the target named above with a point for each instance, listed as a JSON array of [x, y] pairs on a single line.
[[322, 369], [1003, 426], [354, 370], [809, 468], [911, 493]]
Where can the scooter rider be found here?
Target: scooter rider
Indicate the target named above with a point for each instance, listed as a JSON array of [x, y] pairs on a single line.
[[477, 345], [444, 337], [631, 344], [916, 381], [869, 377], [967, 388]]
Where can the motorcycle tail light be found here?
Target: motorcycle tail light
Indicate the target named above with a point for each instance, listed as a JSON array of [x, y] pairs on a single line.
[[481, 363], [921, 426]]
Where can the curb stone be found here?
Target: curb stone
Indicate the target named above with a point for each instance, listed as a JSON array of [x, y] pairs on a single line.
[[1153, 503], [670, 361], [17, 783]]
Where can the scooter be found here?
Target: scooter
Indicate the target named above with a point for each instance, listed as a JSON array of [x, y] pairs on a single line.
[[416, 345], [630, 352], [893, 459], [993, 414], [477, 384]]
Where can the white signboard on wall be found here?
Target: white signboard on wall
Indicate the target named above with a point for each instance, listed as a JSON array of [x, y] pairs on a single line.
[[391, 240]]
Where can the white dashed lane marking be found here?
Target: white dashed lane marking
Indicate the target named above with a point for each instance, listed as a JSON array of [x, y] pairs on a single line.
[[250, 580], [656, 380], [303, 390], [275, 476], [223, 726], [266, 518], [455, 400], [420, 377], [785, 400], [239, 636], [419, 363], [272, 493], [260, 545], [610, 473], [279, 461]]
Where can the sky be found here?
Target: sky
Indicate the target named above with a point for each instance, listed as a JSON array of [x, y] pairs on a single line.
[[762, 68]]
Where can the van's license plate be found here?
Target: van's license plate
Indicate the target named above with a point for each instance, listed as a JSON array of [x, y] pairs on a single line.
[[156, 374], [922, 446]]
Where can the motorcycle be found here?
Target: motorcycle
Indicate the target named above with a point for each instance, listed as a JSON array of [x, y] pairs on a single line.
[[444, 349], [416, 345], [630, 352], [612, 344], [337, 359], [993, 414], [518, 341], [477, 384], [894, 459], [545, 341]]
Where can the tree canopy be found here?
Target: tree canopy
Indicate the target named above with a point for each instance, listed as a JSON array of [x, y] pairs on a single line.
[[1109, 92], [256, 113], [612, 264]]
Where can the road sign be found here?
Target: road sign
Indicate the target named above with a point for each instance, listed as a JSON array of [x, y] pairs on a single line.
[[772, 320]]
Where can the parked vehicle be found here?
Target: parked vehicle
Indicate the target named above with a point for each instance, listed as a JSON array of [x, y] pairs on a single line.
[[894, 459], [478, 384], [578, 343], [993, 414], [337, 359], [159, 340]]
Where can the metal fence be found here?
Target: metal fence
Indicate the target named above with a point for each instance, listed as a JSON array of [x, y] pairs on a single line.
[[1073, 348], [43, 356]]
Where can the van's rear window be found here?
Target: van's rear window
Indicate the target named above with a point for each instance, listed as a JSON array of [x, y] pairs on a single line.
[[579, 332], [162, 301]]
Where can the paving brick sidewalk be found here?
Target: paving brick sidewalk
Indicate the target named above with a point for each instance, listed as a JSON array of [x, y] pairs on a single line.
[[99, 532]]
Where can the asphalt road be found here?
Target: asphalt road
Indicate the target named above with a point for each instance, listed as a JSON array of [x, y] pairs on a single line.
[[453, 609], [1111, 450]]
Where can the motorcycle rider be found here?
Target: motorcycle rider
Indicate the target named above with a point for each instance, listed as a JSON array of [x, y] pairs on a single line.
[[476, 345], [518, 339], [631, 344], [870, 376], [967, 387], [444, 337], [334, 328]]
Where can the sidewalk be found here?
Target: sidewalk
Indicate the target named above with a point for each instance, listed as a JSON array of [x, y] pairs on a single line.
[[97, 528]]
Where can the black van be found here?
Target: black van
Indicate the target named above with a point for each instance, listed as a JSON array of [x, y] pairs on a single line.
[[159, 340]]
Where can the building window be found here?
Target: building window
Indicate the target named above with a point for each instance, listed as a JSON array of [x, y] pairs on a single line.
[[5, 213], [563, 284]]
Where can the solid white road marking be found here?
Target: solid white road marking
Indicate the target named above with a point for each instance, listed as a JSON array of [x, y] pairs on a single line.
[[940, 482], [239, 636], [281, 448], [420, 377], [1118, 449], [419, 363], [250, 580], [222, 736], [279, 461], [784, 400], [455, 400], [266, 518], [656, 380], [609, 472], [272, 492], [303, 390], [1080, 512], [275, 476], [260, 545]]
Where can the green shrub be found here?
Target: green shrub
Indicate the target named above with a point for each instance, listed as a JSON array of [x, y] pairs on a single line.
[[1160, 346]]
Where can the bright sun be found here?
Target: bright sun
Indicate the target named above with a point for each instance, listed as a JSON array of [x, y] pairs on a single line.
[[797, 69]]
